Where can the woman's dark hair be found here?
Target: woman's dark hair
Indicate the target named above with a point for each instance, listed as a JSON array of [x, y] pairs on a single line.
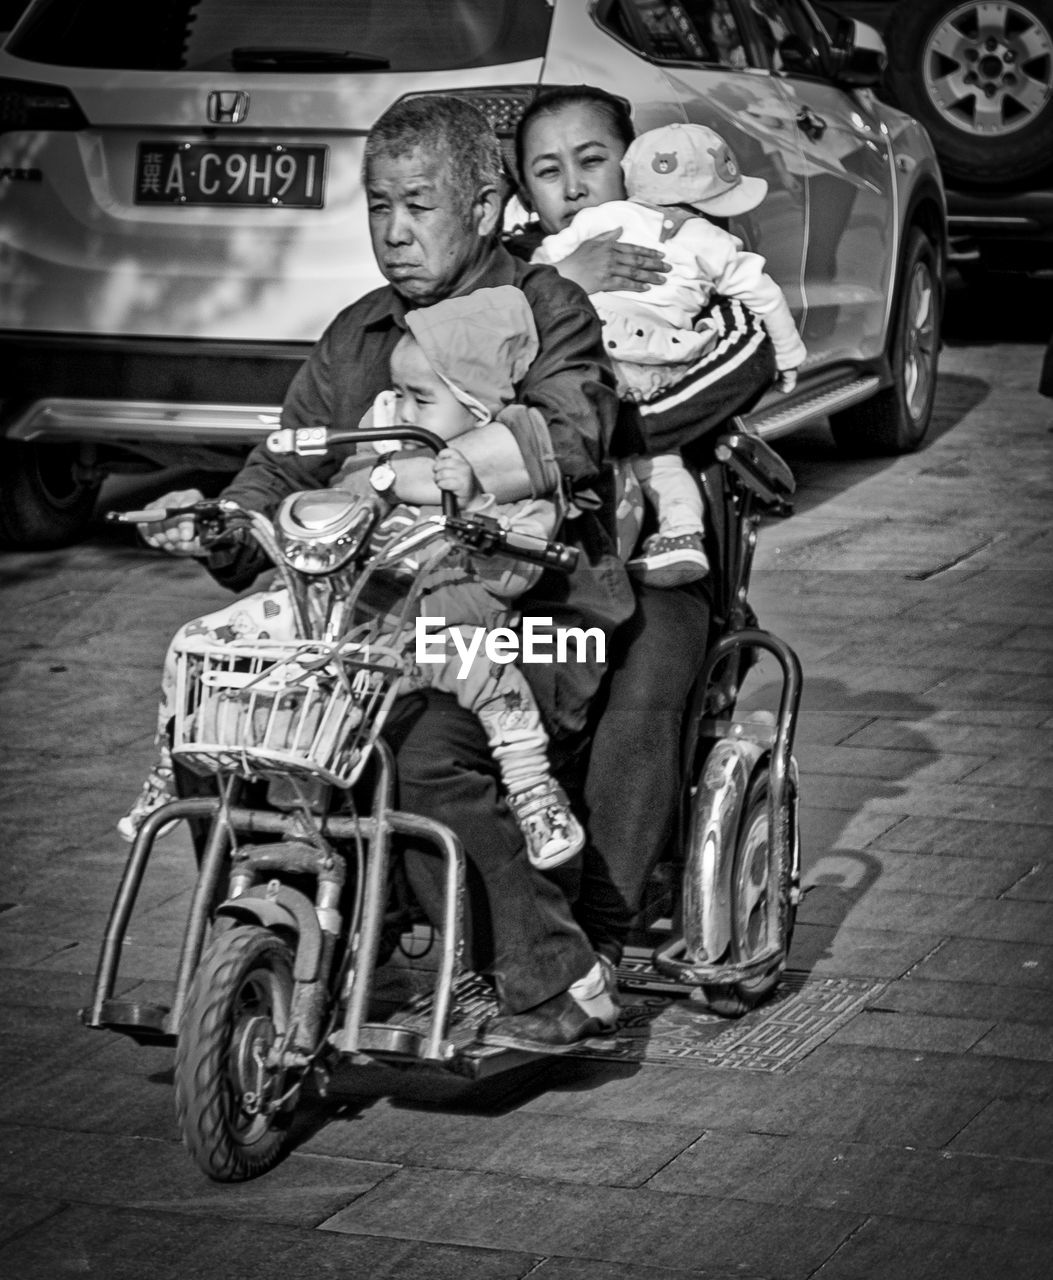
[[552, 101]]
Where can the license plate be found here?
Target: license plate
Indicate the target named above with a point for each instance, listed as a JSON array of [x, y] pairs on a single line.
[[217, 173]]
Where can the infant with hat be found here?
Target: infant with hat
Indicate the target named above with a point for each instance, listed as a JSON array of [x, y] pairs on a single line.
[[674, 177], [455, 368]]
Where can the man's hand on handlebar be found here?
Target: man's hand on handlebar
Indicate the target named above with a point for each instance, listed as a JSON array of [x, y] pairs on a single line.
[[177, 536]]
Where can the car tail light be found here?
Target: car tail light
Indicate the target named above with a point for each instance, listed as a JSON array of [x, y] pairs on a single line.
[[25, 105]]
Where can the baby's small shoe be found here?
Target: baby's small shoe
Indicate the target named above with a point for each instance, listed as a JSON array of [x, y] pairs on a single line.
[[553, 835], [670, 561]]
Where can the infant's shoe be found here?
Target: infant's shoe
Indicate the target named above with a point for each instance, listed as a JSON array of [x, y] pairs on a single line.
[[158, 789], [670, 561], [553, 835]]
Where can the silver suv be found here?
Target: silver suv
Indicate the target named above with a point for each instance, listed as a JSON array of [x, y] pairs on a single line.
[[181, 210]]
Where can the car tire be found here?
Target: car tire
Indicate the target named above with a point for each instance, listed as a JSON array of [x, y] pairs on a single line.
[[896, 420], [44, 502], [985, 99]]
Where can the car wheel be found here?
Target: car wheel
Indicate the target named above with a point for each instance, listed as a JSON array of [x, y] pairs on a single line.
[[44, 502], [897, 418], [979, 77]]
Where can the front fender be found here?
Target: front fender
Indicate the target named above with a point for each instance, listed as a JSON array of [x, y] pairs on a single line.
[[716, 812], [284, 910]]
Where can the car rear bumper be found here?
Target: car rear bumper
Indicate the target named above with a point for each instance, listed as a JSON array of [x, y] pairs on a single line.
[[135, 393]]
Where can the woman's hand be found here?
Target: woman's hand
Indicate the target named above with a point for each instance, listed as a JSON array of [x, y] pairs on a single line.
[[602, 264], [454, 473]]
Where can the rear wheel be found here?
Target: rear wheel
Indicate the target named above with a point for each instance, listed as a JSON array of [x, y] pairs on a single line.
[[44, 502], [761, 911], [230, 1099], [896, 420]]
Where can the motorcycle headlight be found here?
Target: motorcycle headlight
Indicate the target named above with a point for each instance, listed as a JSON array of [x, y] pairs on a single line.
[[321, 530]]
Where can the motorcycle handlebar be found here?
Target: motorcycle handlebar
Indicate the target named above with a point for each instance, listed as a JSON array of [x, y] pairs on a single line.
[[478, 533]]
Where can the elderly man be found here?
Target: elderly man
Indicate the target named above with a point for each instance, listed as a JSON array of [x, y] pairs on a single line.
[[432, 178]]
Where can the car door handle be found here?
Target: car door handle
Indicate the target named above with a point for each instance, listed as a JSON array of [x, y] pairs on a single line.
[[811, 125]]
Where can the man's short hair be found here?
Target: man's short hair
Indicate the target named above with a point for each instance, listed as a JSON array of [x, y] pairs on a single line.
[[435, 123]]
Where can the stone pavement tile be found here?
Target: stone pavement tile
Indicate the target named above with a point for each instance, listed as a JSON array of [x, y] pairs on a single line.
[[969, 1073], [139, 959], [66, 991], [984, 1000], [929, 1186], [17, 1213], [1019, 964], [863, 953], [36, 1033], [823, 829], [1018, 1040], [1035, 886], [976, 739], [591, 1269], [1007, 920], [19, 950], [1039, 638], [954, 837], [118, 1244], [1010, 1127], [893, 1249], [929, 799], [964, 688], [911, 873], [889, 1030], [748, 1101], [557, 1148], [1015, 771], [155, 1176], [827, 728], [651, 1228], [944, 653], [873, 907], [921, 765], [79, 1099]]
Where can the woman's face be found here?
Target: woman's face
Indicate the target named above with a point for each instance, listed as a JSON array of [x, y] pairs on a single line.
[[571, 161]]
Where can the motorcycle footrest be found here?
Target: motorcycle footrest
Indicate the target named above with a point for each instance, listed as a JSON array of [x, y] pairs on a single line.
[[144, 1023]]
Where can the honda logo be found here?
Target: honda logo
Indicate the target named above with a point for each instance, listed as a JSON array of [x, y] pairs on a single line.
[[227, 106]]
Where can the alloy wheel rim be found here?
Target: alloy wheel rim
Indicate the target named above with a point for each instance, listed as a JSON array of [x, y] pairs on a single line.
[[988, 68], [919, 357]]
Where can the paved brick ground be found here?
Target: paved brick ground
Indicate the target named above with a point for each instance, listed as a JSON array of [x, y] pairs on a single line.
[[915, 1142]]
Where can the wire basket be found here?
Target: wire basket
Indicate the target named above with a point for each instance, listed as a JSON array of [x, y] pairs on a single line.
[[258, 708]]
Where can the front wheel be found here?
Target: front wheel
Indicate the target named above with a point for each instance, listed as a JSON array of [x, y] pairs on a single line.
[[234, 1105], [761, 911], [896, 420]]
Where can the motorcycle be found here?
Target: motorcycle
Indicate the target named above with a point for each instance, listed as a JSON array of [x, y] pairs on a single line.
[[291, 912]]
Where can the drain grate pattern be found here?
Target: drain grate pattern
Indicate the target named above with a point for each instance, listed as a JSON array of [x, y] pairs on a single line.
[[669, 1024]]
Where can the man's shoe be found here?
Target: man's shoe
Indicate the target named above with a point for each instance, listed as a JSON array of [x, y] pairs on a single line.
[[555, 1026], [670, 562]]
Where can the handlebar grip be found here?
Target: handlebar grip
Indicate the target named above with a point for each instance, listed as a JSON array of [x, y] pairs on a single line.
[[552, 555]]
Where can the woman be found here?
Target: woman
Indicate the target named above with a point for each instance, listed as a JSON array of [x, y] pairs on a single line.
[[569, 146]]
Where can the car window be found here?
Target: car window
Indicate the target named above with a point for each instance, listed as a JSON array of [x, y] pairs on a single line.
[[792, 39], [329, 35], [679, 30]]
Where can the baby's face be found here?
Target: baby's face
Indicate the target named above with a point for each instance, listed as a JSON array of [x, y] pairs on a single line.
[[424, 400]]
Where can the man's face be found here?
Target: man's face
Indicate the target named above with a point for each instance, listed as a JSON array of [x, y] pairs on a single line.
[[424, 240]]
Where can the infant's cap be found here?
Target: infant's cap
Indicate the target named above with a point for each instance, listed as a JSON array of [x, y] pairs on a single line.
[[481, 345], [689, 164]]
